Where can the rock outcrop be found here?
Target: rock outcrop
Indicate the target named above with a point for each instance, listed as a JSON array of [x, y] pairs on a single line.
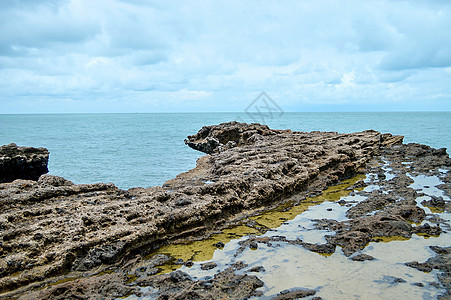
[[22, 162], [228, 135], [51, 226], [390, 211]]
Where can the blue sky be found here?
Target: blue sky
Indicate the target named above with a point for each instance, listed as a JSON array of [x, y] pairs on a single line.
[[202, 56]]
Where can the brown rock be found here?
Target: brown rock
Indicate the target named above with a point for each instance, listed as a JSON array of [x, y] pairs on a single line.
[[224, 285], [86, 226], [362, 257], [355, 234], [113, 285], [294, 294], [208, 266]]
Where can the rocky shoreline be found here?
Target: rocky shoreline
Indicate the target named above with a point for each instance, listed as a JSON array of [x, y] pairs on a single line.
[[52, 229], [22, 162]]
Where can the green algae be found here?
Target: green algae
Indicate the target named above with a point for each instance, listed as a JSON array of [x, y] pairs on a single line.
[[427, 235], [276, 217], [388, 239], [131, 278], [435, 210], [203, 250]]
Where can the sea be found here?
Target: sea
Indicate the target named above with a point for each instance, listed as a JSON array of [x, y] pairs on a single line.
[[143, 150]]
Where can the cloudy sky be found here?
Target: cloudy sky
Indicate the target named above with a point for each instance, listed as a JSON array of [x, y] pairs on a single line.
[[184, 56]]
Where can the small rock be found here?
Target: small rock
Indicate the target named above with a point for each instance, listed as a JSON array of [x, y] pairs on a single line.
[[294, 294], [398, 280], [239, 265], [435, 202], [362, 257], [257, 269], [208, 266], [424, 267], [179, 276], [219, 245], [428, 229], [318, 248], [440, 250], [253, 245]]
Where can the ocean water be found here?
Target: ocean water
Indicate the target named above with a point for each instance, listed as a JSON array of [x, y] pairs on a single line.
[[144, 150]]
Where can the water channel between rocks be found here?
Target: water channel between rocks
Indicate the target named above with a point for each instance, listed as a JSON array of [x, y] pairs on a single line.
[[282, 265]]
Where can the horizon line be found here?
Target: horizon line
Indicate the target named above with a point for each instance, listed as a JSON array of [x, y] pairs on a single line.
[[218, 112]]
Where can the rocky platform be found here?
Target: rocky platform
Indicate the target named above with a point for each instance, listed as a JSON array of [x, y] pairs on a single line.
[[51, 227]]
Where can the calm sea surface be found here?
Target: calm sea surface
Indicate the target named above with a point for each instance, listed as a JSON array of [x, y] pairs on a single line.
[[147, 149]]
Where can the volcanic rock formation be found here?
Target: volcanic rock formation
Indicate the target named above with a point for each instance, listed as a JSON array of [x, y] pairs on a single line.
[[22, 162], [51, 226]]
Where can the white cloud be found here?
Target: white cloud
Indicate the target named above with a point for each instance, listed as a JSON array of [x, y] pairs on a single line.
[[216, 55]]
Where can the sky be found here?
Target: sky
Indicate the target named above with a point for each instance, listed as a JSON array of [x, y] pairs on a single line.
[[76, 56]]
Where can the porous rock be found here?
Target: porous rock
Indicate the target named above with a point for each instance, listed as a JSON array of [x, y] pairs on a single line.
[[22, 162], [51, 227]]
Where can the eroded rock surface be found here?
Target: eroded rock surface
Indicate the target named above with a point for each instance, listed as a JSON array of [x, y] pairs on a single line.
[[224, 136], [106, 286], [391, 210], [22, 162], [224, 285], [51, 226]]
